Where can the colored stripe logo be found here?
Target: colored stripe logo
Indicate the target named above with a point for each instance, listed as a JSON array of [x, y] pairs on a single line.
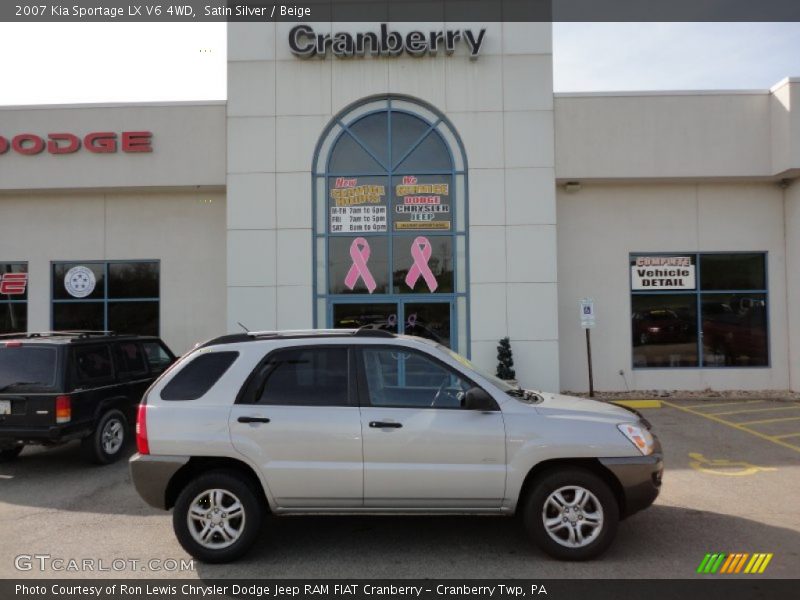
[[737, 562]]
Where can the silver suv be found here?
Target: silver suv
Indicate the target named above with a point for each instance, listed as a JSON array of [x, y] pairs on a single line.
[[364, 421]]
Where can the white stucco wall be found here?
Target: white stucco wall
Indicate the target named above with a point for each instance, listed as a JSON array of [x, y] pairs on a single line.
[[502, 106], [188, 146], [678, 135], [185, 230], [792, 228], [785, 126], [602, 223]]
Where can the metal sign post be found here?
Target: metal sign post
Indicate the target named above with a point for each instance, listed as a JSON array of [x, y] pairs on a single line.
[[588, 322]]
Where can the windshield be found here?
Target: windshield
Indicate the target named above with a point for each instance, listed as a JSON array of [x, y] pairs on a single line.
[[27, 365], [503, 385]]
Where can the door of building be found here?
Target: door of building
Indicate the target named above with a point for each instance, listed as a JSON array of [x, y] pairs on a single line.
[[428, 319]]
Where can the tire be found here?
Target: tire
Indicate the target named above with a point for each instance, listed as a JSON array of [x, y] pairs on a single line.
[[218, 491], [554, 497], [106, 444], [11, 453]]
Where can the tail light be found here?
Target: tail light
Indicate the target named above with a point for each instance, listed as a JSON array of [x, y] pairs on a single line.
[[63, 409], [141, 430]]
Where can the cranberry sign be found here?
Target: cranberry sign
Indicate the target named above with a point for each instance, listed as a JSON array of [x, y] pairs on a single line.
[[97, 142]]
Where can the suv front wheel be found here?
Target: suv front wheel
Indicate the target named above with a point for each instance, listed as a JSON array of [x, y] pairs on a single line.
[[571, 514], [217, 517], [105, 444]]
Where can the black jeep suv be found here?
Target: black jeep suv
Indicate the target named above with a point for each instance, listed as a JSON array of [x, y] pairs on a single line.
[[67, 385]]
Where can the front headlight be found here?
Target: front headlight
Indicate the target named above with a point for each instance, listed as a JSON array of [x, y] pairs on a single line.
[[639, 437]]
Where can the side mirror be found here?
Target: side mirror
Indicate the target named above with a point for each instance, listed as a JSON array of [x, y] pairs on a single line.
[[479, 399]]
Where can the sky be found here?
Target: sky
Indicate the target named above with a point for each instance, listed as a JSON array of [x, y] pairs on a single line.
[[143, 62]]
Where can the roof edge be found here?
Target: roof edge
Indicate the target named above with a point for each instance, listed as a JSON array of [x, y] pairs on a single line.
[[155, 104]]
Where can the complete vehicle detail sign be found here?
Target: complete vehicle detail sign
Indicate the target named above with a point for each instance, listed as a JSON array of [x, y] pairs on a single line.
[[305, 42], [662, 273]]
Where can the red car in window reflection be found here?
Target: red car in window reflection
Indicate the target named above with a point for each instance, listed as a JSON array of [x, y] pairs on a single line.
[[735, 333], [660, 326]]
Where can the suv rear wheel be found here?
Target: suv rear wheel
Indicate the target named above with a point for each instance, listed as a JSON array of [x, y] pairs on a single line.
[[217, 517], [11, 453], [106, 443], [571, 514]]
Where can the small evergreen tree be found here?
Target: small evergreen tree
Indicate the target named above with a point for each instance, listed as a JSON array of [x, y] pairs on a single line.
[[505, 361]]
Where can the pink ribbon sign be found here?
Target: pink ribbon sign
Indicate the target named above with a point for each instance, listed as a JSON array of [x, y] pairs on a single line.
[[359, 252], [421, 253]]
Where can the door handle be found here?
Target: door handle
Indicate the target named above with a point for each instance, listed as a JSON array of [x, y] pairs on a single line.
[[382, 424], [253, 420]]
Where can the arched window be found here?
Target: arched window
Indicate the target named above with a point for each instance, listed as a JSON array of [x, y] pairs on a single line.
[[390, 222]]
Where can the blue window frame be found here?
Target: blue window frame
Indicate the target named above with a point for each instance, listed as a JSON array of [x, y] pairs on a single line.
[[117, 295], [699, 310], [390, 221]]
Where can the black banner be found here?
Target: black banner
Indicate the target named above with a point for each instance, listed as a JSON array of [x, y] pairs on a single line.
[[418, 11], [741, 587]]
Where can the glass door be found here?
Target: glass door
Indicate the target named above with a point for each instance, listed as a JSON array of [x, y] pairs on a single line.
[[352, 315], [430, 319]]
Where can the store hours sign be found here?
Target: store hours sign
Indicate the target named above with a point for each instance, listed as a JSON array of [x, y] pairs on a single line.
[[358, 205], [652, 273]]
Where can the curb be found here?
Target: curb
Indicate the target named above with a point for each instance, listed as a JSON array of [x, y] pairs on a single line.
[[638, 403]]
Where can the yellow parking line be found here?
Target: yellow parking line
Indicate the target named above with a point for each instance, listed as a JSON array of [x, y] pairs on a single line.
[[735, 403], [765, 421], [763, 436], [785, 435], [752, 410]]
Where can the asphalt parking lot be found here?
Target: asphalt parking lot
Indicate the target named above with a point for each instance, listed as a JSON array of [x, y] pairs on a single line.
[[732, 485]]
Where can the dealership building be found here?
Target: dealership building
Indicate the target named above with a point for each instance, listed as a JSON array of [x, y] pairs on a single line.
[[421, 178]]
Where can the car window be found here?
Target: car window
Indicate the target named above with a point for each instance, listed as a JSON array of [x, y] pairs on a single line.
[[157, 357], [25, 365], [93, 363], [196, 378], [132, 359], [403, 378], [303, 377]]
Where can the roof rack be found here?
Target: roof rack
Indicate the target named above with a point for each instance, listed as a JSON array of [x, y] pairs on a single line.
[[86, 333], [367, 331], [79, 333], [364, 331], [300, 332], [233, 338]]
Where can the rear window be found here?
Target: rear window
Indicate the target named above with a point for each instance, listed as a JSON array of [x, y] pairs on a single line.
[[304, 377], [196, 378], [132, 358], [22, 366], [157, 357], [93, 363]]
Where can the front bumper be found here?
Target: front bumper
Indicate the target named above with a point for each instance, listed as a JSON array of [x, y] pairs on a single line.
[[151, 476], [640, 478]]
